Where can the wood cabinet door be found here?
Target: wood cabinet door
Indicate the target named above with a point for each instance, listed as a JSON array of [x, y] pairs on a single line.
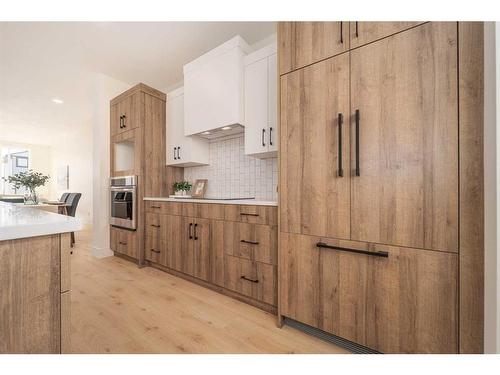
[[201, 243], [314, 194], [405, 89], [126, 114], [365, 32], [403, 303], [304, 43]]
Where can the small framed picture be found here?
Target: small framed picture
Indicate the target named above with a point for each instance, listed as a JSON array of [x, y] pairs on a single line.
[[199, 188]]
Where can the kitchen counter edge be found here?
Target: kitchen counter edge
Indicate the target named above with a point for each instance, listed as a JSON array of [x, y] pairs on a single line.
[[248, 202]]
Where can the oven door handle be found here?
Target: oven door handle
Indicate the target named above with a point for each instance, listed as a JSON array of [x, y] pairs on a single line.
[[123, 189]]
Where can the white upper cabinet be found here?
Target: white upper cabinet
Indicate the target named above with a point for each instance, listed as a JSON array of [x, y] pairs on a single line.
[[182, 151], [261, 132], [214, 88]]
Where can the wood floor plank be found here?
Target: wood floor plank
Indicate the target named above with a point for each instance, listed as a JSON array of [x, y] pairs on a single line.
[[119, 308]]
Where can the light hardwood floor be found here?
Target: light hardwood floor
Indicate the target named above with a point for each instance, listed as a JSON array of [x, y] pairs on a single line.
[[118, 308]]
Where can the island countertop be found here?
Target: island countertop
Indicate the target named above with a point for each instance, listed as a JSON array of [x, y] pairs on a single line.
[[17, 221]]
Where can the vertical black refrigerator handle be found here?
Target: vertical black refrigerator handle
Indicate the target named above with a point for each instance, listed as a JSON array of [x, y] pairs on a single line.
[[357, 142], [340, 121], [341, 33]]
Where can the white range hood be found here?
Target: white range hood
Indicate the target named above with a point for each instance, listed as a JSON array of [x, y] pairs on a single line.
[[214, 89]]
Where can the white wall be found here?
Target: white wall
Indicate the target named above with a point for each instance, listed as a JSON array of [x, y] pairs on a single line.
[[105, 89], [74, 148], [491, 187]]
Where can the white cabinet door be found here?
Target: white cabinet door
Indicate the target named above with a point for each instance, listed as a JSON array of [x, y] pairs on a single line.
[[272, 99], [261, 131], [182, 151], [256, 111]]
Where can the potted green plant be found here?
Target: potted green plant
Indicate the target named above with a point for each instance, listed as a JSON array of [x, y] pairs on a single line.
[[29, 180], [182, 187]]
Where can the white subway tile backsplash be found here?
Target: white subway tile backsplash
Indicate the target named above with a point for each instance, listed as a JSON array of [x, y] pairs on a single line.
[[233, 174]]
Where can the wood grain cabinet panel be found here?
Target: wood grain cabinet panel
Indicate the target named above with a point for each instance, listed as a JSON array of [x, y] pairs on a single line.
[[195, 247], [251, 241], [66, 322], [405, 88], [30, 297], [155, 249], [252, 279], [315, 185], [66, 252], [266, 215], [126, 114], [403, 303], [304, 43], [124, 242], [365, 32]]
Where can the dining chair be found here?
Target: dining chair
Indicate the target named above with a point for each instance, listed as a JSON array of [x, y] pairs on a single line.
[[64, 197], [72, 202]]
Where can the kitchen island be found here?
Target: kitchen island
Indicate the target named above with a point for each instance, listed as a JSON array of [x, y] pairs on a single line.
[[34, 280]]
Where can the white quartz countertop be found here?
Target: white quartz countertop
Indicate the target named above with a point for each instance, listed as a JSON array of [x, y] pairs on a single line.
[[249, 202], [17, 221]]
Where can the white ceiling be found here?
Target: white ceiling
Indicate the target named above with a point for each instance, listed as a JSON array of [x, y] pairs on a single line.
[[42, 61]]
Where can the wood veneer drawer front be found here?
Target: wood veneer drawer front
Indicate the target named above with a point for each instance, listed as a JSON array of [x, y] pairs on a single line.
[[203, 210], [124, 242], [166, 208], [252, 214], [252, 279], [153, 248], [254, 242], [403, 303]]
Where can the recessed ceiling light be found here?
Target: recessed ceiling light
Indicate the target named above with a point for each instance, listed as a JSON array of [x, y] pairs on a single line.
[[57, 101], [206, 133], [226, 128]]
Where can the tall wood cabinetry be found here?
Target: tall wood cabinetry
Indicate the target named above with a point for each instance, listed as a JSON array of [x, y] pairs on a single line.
[[137, 126], [370, 191]]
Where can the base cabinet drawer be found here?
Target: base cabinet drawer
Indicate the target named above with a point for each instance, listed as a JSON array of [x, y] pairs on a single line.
[[252, 279], [124, 242], [267, 215], [251, 241], [403, 303]]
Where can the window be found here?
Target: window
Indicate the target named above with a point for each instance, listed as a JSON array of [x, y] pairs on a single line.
[[12, 161]]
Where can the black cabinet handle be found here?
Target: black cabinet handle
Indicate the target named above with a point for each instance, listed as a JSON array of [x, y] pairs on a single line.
[[121, 122], [357, 34], [248, 214], [251, 280], [195, 235], [124, 124], [357, 142], [270, 136], [122, 243], [341, 33], [341, 122], [154, 225], [175, 157], [155, 207], [190, 235], [250, 242], [263, 135], [155, 251], [179, 152], [383, 254]]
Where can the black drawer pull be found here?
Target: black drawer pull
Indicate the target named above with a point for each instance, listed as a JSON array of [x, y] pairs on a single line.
[[251, 280], [250, 242], [248, 214], [155, 226], [155, 207], [341, 33], [155, 251], [383, 254], [122, 243]]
